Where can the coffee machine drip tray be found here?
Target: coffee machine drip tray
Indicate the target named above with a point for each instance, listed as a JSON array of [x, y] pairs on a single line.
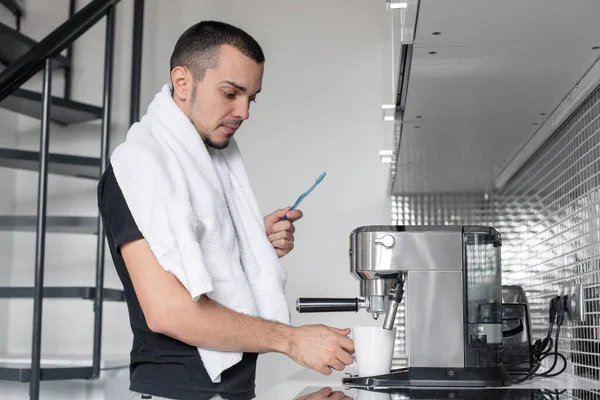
[[433, 377]]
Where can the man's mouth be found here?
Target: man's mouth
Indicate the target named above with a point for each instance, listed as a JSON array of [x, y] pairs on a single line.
[[230, 128]]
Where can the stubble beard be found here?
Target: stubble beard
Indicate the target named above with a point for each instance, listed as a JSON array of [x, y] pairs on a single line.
[[204, 135]]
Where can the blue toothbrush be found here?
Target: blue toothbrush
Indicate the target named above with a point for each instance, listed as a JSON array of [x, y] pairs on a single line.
[[303, 195]]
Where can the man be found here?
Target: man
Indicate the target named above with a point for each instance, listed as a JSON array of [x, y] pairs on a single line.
[[183, 320]]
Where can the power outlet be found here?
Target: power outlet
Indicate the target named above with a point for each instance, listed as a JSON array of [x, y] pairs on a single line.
[[575, 302]]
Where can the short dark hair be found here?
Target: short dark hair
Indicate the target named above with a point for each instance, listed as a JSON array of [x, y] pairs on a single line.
[[198, 47]]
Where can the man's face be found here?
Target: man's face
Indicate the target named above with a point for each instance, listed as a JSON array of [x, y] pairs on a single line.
[[220, 102]]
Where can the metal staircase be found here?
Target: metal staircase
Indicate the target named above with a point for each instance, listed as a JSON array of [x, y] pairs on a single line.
[[24, 58], [16, 7]]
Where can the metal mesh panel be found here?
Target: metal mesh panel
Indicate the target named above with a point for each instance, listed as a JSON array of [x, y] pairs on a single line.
[[400, 359], [552, 232], [580, 394], [549, 218], [442, 209]]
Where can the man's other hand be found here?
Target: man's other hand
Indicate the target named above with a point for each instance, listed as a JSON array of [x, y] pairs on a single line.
[[281, 233], [326, 393]]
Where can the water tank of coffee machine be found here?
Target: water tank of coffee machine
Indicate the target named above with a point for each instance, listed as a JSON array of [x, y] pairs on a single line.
[[483, 347]]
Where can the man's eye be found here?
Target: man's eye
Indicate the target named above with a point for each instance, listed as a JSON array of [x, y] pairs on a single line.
[[229, 95]]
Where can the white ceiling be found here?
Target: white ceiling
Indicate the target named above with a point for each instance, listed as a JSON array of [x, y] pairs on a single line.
[[499, 65]]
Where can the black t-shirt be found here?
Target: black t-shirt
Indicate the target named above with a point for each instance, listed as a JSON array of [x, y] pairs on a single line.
[[161, 365]]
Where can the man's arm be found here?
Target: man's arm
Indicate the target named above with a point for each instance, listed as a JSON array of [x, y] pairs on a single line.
[[170, 310]]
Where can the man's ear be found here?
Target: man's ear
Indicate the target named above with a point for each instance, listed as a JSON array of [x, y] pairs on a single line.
[[182, 83]]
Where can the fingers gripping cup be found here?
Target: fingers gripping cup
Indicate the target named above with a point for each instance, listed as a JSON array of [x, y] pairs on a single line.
[[373, 350]]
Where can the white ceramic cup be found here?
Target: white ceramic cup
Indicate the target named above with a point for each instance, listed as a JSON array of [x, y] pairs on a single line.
[[373, 350]]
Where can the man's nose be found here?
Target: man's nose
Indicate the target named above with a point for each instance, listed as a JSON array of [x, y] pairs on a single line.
[[242, 110]]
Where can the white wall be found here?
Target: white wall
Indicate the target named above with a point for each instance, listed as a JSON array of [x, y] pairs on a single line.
[[7, 177], [327, 71], [8, 125], [8, 139]]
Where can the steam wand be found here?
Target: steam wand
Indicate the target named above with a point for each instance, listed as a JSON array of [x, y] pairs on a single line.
[[395, 297]]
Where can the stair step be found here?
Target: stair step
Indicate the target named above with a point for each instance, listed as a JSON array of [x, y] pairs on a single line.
[[60, 164], [54, 224], [15, 44], [63, 112], [14, 6], [22, 373], [17, 367], [62, 292]]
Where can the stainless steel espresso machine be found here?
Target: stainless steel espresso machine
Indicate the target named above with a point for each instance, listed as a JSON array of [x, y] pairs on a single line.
[[449, 278]]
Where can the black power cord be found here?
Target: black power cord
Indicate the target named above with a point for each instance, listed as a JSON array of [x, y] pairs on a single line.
[[563, 308], [542, 349]]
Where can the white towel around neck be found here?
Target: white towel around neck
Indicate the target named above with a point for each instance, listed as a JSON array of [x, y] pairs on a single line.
[[196, 209]]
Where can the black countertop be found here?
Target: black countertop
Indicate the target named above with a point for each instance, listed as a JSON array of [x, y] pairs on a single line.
[[512, 393]]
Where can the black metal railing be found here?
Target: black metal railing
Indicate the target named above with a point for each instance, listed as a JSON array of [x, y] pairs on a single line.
[[136, 61], [104, 148], [69, 55], [19, 72], [37, 58], [40, 244]]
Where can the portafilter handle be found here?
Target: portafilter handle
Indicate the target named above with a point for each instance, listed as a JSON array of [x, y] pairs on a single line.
[[316, 305]]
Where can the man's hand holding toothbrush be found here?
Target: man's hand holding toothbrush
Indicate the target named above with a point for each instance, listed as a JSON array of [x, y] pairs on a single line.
[[281, 232]]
